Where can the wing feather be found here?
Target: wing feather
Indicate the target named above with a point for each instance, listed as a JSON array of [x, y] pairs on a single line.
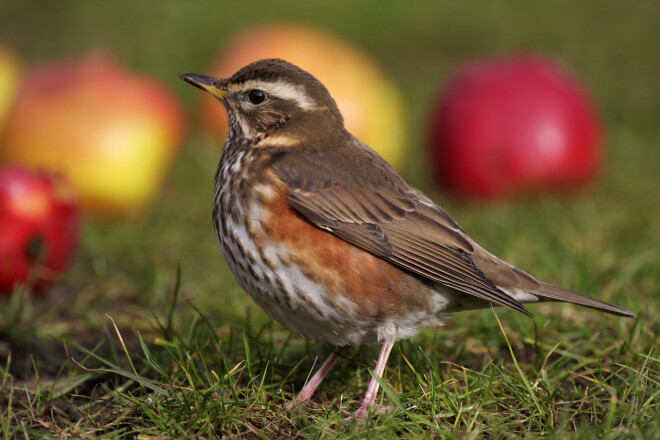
[[350, 191], [413, 235]]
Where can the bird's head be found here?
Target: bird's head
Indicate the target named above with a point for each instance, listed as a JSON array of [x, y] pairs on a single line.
[[275, 102]]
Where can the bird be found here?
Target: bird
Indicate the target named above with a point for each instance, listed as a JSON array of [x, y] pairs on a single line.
[[330, 240]]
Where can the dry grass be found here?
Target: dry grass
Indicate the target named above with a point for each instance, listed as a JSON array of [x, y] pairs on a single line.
[[113, 352]]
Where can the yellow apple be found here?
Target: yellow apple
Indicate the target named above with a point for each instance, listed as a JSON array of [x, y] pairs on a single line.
[[371, 103], [9, 78], [111, 132]]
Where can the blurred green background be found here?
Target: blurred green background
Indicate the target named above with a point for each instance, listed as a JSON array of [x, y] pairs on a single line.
[[610, 46], [602, 240]]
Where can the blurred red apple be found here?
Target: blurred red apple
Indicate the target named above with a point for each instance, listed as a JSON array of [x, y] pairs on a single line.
[[111, 132], [511, 126], [371, 104], [9, 76], [39, 219]]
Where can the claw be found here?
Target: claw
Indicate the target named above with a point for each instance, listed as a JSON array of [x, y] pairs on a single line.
[[362, 411]]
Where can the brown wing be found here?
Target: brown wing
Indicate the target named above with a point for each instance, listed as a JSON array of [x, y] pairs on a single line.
[[353, 193], [376, 210], [506, 276], [410, 235]]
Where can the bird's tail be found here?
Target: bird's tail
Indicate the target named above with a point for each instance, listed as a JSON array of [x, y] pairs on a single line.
[[550, 292]]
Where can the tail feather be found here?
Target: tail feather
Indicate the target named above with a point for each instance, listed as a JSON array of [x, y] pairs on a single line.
[[550, 292]]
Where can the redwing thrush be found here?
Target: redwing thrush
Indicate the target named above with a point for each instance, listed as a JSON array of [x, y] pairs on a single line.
[[326, 237]]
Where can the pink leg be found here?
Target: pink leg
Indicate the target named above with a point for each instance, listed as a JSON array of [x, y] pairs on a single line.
[[370, 396], [308, 390]]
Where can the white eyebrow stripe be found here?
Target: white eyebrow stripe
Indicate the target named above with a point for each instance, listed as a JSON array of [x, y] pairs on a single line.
[[280, 89]]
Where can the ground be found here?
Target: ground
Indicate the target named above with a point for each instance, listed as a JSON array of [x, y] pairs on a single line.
[[150, 336]]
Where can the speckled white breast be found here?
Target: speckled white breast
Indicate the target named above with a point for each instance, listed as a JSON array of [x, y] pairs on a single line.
[[266, 273]]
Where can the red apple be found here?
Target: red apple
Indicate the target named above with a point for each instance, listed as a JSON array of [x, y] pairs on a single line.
[[9, 79], [511, 126], [39, 219], [371, 104], [111, 132]]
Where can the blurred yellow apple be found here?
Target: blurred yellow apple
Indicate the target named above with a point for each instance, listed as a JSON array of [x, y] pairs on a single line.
[[371, 104], [113, 133], [9, 78]]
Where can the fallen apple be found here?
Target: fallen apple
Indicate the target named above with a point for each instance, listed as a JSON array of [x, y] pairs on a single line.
[[39, 220], [111, 132], [371, 104], [9, 79], [512, 126]]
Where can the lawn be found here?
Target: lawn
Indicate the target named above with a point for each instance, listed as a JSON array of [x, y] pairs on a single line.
[[149, 336]]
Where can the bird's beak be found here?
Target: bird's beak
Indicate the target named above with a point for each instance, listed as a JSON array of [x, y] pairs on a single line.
[[209, 84]]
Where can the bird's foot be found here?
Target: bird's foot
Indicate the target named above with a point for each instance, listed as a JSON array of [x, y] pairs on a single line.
[[363, 410], [291, 404]]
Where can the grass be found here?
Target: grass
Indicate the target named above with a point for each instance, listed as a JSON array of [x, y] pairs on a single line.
[[205, 379], [149, 336]]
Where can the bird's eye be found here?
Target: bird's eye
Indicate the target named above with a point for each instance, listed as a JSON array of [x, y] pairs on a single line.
[[256, 96]]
